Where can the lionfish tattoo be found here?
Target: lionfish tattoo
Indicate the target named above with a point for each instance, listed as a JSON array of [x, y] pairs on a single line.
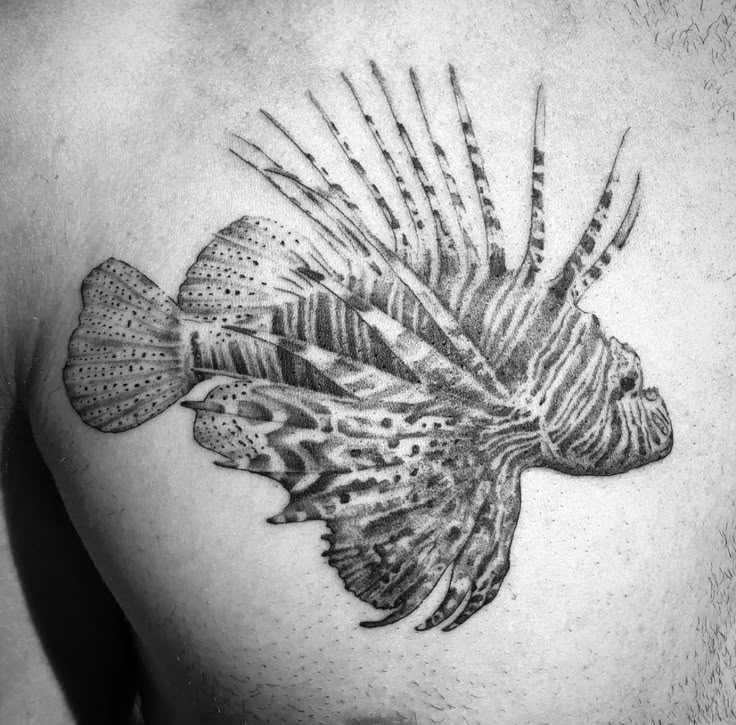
[[396, 382]]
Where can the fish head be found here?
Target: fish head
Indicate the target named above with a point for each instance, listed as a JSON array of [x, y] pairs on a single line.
[[598, 418]]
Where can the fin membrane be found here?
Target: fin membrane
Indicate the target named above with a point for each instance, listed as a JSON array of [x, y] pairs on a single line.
[[127, 358], [391, 480]]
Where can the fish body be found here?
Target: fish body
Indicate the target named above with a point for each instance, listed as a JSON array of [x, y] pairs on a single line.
[[397, 383]]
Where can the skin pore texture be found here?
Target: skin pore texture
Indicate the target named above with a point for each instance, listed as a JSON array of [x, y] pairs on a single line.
[[620, 603]]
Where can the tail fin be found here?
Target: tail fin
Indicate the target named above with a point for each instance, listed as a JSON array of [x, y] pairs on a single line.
[[127, 360]]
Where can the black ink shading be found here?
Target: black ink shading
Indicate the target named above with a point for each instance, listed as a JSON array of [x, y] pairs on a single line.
[[395, 384]]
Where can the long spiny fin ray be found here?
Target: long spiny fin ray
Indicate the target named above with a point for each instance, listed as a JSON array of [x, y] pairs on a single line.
[[325, 230], [535, 244], [468, 249], [485, 558], [369, 246], [584, 254], [395, 559], [214, 373], [341, 227], [334, 187], [472, 358], [401, 243], [589, 241], [271, 168], [356, 378], [334, 197], [430, 365], [441, 245], [334, 192], [492, 227], [389, 262], [596, 270], [321, 210], [449, 266], [417, 222], [353, 228]]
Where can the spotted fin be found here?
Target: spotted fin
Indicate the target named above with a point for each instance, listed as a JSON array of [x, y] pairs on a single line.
[[381, 475], [128, 357], [244, 271], [391, 552], [247, 277], [279, 429]]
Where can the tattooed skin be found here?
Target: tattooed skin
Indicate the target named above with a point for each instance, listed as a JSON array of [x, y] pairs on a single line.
[[397, 383]]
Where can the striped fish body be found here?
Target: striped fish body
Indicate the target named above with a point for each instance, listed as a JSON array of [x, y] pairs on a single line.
[[395, 383]]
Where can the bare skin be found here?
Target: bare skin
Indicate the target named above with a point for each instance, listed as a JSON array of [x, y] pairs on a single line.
[[130, 562]]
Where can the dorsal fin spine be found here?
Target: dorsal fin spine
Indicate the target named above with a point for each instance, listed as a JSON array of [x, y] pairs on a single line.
[[268, 174], [472, 356], [596, 270], [584, 255], [469, 253], [414, 352], [432, 246], [344, 369], [400, 243], [335, 188], [404, 192], [491, 225], [535, 244]]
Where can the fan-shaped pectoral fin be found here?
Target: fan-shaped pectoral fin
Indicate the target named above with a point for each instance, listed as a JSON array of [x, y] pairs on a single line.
[[479, 570], [394, 534]]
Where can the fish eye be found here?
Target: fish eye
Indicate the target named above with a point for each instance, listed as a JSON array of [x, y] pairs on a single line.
[[627, 384]]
